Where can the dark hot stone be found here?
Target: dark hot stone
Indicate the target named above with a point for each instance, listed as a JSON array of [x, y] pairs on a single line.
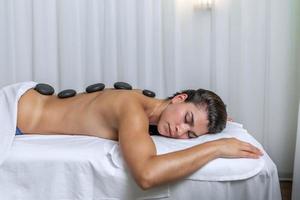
[[44, 89], [148, 93], [95, 87], [122, 86], [66, 93]]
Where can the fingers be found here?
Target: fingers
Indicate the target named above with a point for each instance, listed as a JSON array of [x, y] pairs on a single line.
[[250, 147], [229, 119], [251, 151], [246, 154], [234, 148]]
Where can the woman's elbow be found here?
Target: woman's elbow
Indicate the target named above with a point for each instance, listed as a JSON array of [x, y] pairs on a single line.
[[145, 185], [145, 181]]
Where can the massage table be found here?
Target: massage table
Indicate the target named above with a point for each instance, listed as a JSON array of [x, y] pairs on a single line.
[[69, 167]]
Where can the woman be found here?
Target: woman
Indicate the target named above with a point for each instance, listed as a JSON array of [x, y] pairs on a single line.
[[125, 115]]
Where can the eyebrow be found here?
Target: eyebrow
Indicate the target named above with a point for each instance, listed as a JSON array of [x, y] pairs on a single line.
[[193, 125], [192, 118]]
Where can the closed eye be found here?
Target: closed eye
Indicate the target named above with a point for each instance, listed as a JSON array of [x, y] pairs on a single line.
[[192, 134]]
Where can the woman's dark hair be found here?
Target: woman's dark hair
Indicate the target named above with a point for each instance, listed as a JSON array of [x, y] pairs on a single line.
[[216, 109]]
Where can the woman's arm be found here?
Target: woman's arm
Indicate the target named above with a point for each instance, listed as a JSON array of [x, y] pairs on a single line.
[[150, 169]]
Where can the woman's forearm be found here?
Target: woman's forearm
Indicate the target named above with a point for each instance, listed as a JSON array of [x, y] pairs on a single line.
[[173, 166]]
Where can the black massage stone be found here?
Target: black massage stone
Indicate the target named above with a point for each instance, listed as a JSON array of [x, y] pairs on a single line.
[[66, 93], [95, 87], [148, 93], [122, 86], [44, 89]]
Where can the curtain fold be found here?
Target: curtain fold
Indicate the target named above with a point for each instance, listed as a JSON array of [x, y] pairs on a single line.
[[242, 50]]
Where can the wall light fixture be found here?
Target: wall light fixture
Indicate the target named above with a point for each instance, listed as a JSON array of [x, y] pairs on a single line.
[[204, 4]]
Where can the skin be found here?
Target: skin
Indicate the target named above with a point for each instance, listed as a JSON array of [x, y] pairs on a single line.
[[125, 116]]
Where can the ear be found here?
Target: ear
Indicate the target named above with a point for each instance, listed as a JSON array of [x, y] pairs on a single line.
[[179, 98]]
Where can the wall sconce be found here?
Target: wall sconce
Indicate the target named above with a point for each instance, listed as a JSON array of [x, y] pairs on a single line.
[[204, 4]]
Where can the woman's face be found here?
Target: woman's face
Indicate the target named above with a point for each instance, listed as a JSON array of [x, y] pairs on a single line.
[[183, 120]]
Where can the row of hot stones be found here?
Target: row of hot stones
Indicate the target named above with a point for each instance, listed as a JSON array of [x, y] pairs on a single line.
[[46, 89]]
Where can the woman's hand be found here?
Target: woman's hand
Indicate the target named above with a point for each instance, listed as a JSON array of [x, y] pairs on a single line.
[[234, 148]]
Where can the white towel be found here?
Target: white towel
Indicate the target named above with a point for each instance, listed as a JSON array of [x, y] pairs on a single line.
[[220, 169], [9, 97]]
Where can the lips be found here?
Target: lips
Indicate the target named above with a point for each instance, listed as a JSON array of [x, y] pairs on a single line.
[[170, 131]]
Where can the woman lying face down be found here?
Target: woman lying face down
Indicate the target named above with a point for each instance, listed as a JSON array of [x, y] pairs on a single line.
[[125, 115]]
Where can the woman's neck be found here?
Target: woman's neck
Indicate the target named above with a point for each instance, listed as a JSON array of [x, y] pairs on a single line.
[[155, 110]]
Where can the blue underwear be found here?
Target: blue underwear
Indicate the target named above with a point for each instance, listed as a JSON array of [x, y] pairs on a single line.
[[18, 131]]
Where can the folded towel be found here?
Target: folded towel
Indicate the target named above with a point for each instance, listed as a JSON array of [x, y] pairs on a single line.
[[220, 169]]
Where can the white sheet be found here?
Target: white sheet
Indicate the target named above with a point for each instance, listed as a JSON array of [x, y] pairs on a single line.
[[61, 167], [66, 167], [81, 167], [263, 186], [9, 97]]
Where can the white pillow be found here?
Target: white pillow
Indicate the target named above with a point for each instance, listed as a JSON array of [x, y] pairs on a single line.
[[220, 169]]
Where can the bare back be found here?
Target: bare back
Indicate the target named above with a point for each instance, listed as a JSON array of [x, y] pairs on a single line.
[[92, 114]]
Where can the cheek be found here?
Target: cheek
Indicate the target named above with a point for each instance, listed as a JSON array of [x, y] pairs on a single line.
[[172, 116], [160, 128], [165, 119], [178, 117], [176, 114], [166, 116]]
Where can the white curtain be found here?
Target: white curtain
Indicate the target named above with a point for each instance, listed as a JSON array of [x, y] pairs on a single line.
[[254, 56], [242, 49]]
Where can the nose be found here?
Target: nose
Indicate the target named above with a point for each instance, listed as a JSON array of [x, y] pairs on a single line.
[[181, 129]]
